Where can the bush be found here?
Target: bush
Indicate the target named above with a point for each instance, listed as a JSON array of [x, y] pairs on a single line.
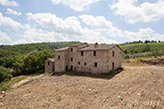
[[5, 74], [112, 72]]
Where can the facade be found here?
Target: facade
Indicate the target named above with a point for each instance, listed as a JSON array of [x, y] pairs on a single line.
[[87, 58]]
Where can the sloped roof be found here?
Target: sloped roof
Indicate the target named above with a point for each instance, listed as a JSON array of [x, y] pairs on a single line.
[[62, 49], [78, 44], [99, 47], [51, 59]]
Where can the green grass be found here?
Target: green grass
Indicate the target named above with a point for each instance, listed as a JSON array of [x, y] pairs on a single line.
[[7, 84], [28, 81], [155, 46]]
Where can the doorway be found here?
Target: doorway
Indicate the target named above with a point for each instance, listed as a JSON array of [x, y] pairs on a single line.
[[113, 66], [71, 68], [66, 68]]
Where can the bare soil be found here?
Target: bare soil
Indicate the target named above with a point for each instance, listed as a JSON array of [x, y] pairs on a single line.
[[137, 87], [155, 61]]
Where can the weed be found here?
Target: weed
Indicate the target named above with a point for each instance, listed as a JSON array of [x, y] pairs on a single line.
[[28, 81], [126, 103], [7, 84]]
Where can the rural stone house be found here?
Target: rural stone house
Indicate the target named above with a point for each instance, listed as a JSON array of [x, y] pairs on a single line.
[[86, 58]]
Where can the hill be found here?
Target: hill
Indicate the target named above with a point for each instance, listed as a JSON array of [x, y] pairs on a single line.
[[136, 87], [139, 50]]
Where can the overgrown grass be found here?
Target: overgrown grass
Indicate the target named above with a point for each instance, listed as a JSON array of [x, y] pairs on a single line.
[[28, 81], [7, 84]]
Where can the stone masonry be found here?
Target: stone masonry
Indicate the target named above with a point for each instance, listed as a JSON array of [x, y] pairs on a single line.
[[87, 58]]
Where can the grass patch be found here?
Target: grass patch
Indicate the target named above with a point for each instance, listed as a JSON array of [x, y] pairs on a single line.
[[28, 81], [7, 84]]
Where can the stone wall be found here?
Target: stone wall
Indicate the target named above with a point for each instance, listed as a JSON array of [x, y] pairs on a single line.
[[86, 63], [116, 59], [60, 62], [49, 66]]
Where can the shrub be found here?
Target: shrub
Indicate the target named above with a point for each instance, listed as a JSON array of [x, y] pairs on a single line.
[[5, 74], [112, 72]]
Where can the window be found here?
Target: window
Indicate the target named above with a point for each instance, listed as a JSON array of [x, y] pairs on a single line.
[[59, 57], [71, 59], [120, 53], [94, 53], [85, 63], [113, 53], [79, 63], [81, 53], [71, 49], [48, 63], [95, 64]]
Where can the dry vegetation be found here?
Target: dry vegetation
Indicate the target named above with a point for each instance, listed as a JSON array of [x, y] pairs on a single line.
[[135, 87]]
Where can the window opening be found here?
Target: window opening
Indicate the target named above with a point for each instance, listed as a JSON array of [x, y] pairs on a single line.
[[81, 53], [94, 53], [95, 64], [71, 49], [113, 53]]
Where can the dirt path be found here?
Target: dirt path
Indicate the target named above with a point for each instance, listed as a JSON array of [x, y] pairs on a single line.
[[134, 88], [26, 80]]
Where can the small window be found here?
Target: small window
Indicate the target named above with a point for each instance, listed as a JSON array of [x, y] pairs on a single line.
[[71, 49], [94, 53], [95, 64], [59, 57], [120, 53], [113, 53], [79, 63], [48, 63], [71, 59], [85, 63], [81, 53]]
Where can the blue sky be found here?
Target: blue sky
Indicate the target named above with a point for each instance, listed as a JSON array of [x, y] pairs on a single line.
[[102, 21]]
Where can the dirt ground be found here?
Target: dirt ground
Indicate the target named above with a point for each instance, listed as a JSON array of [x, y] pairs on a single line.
[[137, 87]]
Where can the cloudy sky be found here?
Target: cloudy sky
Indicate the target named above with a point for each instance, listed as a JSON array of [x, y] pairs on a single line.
[[102, 21]]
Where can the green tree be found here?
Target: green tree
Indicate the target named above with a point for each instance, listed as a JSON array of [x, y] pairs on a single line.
[[30, 62]]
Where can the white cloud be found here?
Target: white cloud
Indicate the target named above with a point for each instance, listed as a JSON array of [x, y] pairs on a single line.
[[10, 11], [68, 26], [7, 21], [99, 23], [34, 34], [77, 5], [8, 3], [145, 12], [4, 37]]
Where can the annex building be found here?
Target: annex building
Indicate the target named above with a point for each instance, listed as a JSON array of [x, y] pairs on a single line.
[[86, 58]]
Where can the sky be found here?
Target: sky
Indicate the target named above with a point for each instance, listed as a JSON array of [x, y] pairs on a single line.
[[102, 21]]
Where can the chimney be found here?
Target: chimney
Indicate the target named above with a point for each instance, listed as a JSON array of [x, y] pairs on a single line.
[[96, 45]]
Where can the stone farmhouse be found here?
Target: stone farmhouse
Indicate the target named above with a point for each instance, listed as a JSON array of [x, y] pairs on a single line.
[[86, 58]]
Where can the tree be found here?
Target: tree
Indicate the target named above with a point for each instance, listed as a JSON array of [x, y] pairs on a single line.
[[30, 62]]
